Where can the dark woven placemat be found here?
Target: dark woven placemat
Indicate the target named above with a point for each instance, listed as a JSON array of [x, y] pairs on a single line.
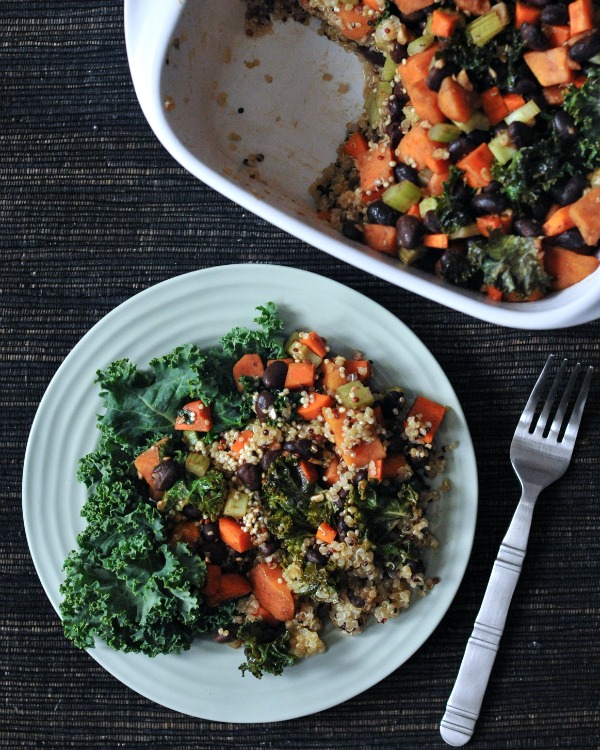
[[94, 210]]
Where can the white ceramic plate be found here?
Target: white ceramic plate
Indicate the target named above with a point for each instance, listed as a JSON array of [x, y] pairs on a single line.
[[297, 91], [200, 307]]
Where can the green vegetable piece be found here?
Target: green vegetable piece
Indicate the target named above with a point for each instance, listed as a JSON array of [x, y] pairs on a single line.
[[471, 230], [265, 648], [402, 196], [502, 148], [389, 69], [526, 113], [355, 395], [377, 103], [197, 464], [478, 121], [427, 204], [236, 504], [483, 29], [444, 132], [408, 257], [420, 44], [296, 349]]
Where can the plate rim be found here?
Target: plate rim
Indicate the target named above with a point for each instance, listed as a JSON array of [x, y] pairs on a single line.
[[101, 652]]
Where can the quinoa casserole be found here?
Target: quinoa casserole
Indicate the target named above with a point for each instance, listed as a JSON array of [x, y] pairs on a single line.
[[263, 490], [477, 155]]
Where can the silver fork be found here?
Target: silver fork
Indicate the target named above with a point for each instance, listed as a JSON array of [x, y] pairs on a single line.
[[540, 453]]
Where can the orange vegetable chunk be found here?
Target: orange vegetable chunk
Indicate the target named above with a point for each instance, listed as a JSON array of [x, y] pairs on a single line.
[[231, 586], [585, 214], [550, 67], [558, 222], [234, 536], [250, 365], [454, 100], [300, 375], [195, 416], [374, 168], [356, 145], [581, 16], [430, 411], [272, 592], [477, 166], [360, 454], [494, 105], [354, 22], [317, 402], [382, 238], [325, 533], [567, 267]]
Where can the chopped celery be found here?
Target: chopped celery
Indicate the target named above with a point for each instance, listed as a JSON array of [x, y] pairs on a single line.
[[236, 504], [595, 60], [427, 204], [355, 395], [485, 28], [463, 232], [479, 121], [529, 111], [376, 102], [420, 44], [502, 147], [444, 132], [408, 257], [389, 69], [197, 464], [298, 350], [402, 196]]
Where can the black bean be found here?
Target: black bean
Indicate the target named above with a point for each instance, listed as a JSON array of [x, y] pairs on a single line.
[[314, 556], [526, 227], [568, 192], [431, 222], [398, 52], [264, 404], [361, 476], [459, 148], [216, 552], [210, 531], [165, 475], [533, 37], [228, 635], [436, 75], [341, 528], [571, 239], [410, 231], [268, 457], [379, 212], [521, 134], [540, 208], [307, 449], [269, 547], [396, 109], [290, 447], [564, 125], [394, 131], [250, 475], [404, 171], [525, 87], [355, 599], [479, 136], [372, 55], [489, 203], [351, 231], [585, 48], [191, 512], [538, 3], [391, 404], [275, 374], [555, 15]]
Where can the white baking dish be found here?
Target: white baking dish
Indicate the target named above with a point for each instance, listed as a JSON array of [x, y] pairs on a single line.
[[215, 97]]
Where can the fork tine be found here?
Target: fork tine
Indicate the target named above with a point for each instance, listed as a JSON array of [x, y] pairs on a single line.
[[564, 402], [529, 410], [574, 421], [543, 419]]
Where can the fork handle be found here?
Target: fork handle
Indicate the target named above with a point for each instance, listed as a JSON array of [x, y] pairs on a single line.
[[462, 710]]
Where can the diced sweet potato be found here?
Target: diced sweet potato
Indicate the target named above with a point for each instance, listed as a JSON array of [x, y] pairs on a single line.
[[567, 267], [585, 214]]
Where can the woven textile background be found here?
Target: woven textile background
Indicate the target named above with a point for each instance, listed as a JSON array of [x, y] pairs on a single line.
[[93, 210]]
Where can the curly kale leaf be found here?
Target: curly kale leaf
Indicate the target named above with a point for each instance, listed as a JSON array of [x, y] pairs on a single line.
[[510, 263], [391, 510], [290, 501], [583, 105], [534, 170], [265, 649], [128, 587], [453, 209], [502, 54], [264, 341], [206, 493]]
